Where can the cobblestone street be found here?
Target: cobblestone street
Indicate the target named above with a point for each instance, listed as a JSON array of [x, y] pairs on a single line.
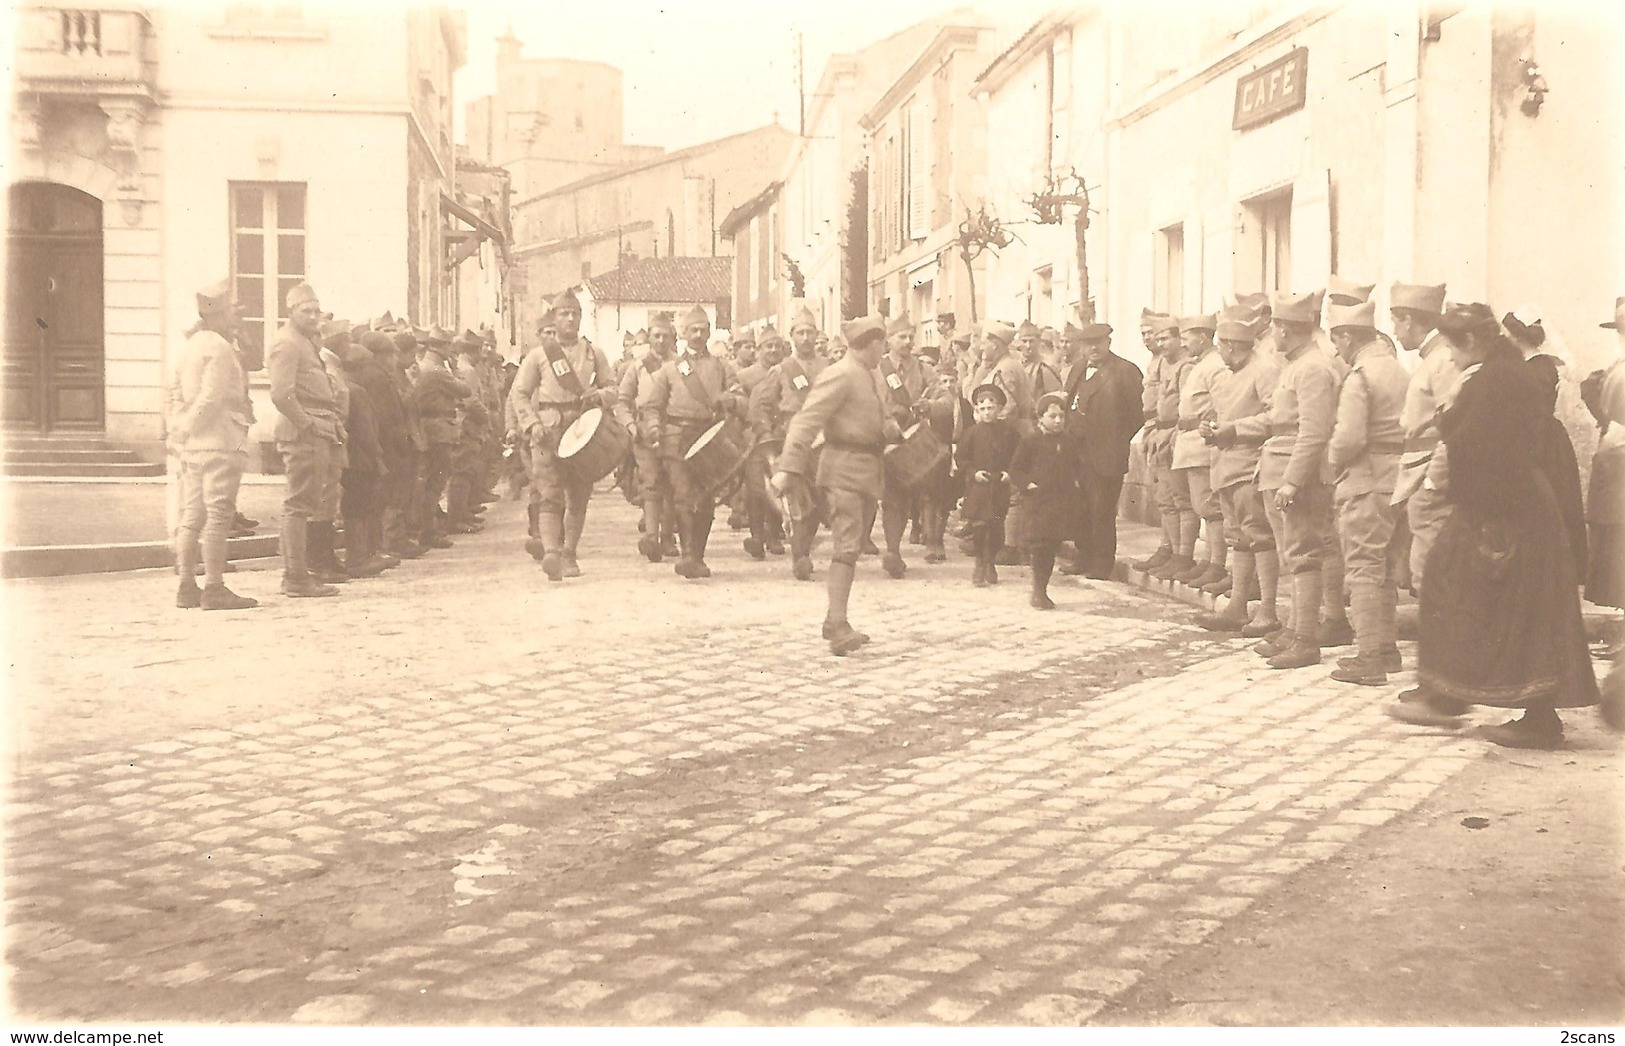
[[664, 824]]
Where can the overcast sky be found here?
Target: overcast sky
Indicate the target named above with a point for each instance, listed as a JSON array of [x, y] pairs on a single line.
[[695, 70]]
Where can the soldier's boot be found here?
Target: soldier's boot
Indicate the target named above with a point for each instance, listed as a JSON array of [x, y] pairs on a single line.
[[1305, 648], [459, 512], [649, 543], [668, 532], [843, 638], [935, 524], [775, 534], [575, 521], [1184, 566], [1233, 618], [218, 597], [893, 524], [1163, 554], [187, 555], [1213, 571], [703, 521], [1366, 668], [1267, 580], [1335, 629], [553, 544], [321, 559], [533, 515], [296, 579], [360, 557]]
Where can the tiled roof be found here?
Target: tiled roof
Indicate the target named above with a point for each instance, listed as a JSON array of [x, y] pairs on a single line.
[[666, 280]]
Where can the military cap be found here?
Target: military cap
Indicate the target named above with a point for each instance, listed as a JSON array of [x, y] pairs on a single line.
[[695, 315], [864, 329], [567, 299], [900, 324], [377, 342], [335, 332], [1161, 321], [1468, 318], [769, 334], [299, 294], [214, 297], [1027, 327], [547, 319], [386, 322], [467, 341], [1619, 316], [1362, 314], [804, 318], [1297, 308], [438, 337], [960, 338], [1347, 292], [1002, 333], [988, 390], [1208, 323], [744, 336], [662, 321], [1237, 330], [406, 341], [1417, 297]]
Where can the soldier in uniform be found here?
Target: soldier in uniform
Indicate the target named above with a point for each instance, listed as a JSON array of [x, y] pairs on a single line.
[[761, 516], [999, 367], [1103, 414], [558, 381], [322, 532], [1238, 428], [1363, 455], [462, 484], [439, 396], [789, 388], [659, 539], [1423, 470], [1029, 347], [847, 407], [1192, 455], [308, 433], [1150, 395], [690, 393], [741, 353], [911, 386], [1179, 521], [401, 532], [1293, 476]]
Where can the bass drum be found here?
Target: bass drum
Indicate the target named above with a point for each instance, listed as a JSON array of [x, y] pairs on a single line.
[[716, 458], [593, 446], [911, 462]]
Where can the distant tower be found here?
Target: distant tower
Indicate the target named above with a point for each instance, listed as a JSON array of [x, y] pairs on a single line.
[[508, 47]]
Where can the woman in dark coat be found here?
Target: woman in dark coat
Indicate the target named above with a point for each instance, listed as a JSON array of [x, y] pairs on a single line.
[[1500, 604], [1044, 473]]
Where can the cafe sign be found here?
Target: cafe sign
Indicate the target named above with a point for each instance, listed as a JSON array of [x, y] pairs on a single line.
[[1277, 89]]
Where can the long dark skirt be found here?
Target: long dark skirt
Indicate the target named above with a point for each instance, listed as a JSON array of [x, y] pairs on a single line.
[[1500, 611]]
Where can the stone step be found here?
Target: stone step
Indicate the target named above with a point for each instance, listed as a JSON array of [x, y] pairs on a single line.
[[19, 441], [108, 455], [83, 469]]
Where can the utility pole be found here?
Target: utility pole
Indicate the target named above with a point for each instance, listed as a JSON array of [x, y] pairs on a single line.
[[801, 85]]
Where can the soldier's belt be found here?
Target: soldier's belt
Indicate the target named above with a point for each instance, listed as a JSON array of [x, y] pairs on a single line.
[[854, 446], [559, 405], [705, 420], [1420, 443]]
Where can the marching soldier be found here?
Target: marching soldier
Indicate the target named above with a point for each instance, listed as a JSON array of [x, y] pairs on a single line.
[[654, 488], [911, 386], [761, 516], [1363, 454], [847, 407], [558, 381], [789, 388], [690, 393], [1293, 475], [1238, 430], [1192, 455], [439, 394]]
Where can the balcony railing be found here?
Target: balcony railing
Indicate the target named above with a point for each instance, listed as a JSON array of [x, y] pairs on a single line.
[[84, 51]]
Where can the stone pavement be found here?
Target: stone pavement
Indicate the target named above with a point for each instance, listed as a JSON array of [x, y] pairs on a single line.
[[726, 828]]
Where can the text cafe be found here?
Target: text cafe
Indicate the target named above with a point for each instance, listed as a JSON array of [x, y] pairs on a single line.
[[1278, 88]]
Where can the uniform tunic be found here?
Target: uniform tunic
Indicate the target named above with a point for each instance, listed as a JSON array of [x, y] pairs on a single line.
[[1423, 468], [308, 428], [1007, 373], [847, 407], [1302, 409], [1363, 455], [1241, 399], [544, 408], [674, 416]]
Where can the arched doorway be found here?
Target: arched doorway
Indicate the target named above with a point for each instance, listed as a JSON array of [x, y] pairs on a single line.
[[54, 363]]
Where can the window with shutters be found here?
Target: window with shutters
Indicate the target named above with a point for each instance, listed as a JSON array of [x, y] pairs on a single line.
[[1168, 288], [919, 172], [267, 253], [942, 143]]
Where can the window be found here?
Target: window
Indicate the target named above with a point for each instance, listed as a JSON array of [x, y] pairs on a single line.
[[1271, 216], [1168, 291], [267, 252]]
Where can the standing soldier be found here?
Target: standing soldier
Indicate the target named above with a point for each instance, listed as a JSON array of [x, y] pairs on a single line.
[[1150, 395], [654, 488], [401, 528], [911, 386], [558, 381], [790, 386], [760, 514], [209, 430], [690, 393], [307, 432], [999, 367], [1179, 523], [1192, 455], [322, 537], [847, 407], [1103, 414], [1238, 429], [1363, 454], [1293, 475], [1043, 378], [439, 394]]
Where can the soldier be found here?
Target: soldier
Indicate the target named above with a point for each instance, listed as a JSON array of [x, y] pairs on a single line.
[[308, 433], [364, 473], [998, 367], [462, 506], [1103, 414], [1363, 454], [1179, 522], [1238, 429], [1293, 475], [322, 536], [911, 386], [690, 393], [1192, 455], [1029, 347], [789, 388], [847, 406], [761, 516], [401, 533], [654, 489], [208, 427], [558, 381], [741, 353], [438, 395], [1150, 395], [1423, 470]]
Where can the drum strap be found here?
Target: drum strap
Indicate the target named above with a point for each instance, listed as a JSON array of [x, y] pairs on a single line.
[[652, 363], [691, 380], [894, 382], [562, 371]]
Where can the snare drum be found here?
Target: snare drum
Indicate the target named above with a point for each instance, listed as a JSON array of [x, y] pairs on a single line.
[[593, 446], [717, 456], [911, 462]]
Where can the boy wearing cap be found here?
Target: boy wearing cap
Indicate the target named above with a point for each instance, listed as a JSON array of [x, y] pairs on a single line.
[[983, 458], [1044, 474], [1103, 413], [1363, 454], [1192, 455], [309, 433]]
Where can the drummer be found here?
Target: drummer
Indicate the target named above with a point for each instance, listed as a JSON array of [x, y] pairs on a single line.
[[557, 381], [911, 390], [787, 391], [761, 515], [689, 394], [659, 534], [847, 407]]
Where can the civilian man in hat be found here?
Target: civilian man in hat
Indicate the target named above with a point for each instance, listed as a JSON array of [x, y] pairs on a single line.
[[654, 488], [1179, 521], [1238, 429], [309, 433], [690, 393], [1029, 348], [790, 386], [1103, 414], [440, 396], [1192, 455], [911, 386], [1363, 454], [761, 515], [208, 429], [847, 407], [1151, 391], [1423, 471], [1293, 476], [558, 381]]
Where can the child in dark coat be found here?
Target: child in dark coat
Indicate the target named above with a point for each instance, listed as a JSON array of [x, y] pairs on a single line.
[[983, 458], [1045, 474]]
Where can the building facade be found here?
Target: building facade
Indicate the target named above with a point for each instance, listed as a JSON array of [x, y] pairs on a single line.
[[155, 152], [624, 300], [761, 280]]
